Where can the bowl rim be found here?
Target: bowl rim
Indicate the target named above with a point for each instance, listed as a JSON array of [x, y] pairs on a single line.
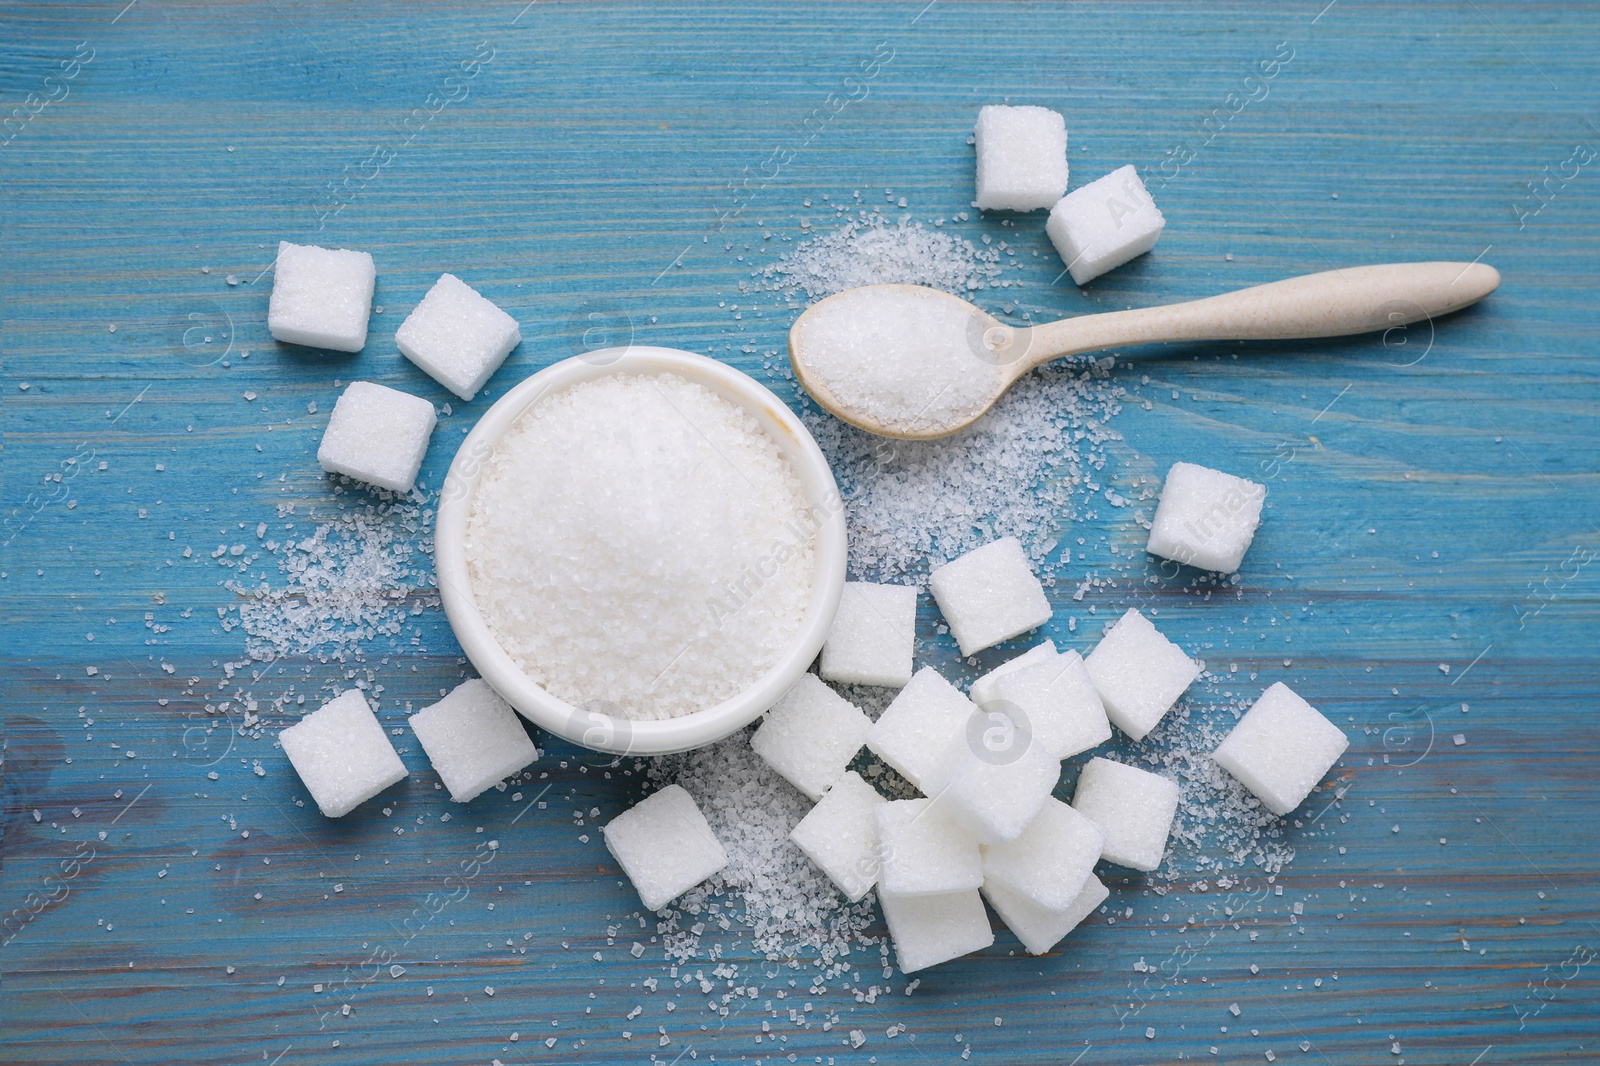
[[595, 729]]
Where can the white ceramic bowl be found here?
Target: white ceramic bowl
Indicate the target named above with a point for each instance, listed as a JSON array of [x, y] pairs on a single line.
[[591, 728]]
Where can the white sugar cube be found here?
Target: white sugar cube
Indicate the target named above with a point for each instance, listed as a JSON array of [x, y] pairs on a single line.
[[993, 779], [1058, 700], [1022, 158], [1281, 748], [473, 738], [664, 846], [1139, 674], [321, 296], [922, 851], [872, 636], [1133, 806], [1206, 518], [341, 753], [1049, 862], [915, 730], [1040, 929], [928, 930], [840, 835], [989, 595], [1104, 224], [983, 688], [810, 735], [378, 435], [457, 336]]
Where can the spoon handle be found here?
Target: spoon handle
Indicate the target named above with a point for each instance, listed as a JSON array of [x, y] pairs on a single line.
[[1334, 303]]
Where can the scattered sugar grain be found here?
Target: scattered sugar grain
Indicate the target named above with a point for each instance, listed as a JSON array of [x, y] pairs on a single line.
[[871, 249], [1220, 825], [355, 578], [1031, 463], [779, 898]]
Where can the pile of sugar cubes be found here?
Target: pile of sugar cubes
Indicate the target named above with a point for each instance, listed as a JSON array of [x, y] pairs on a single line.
[[1022, 166], [322, 297], [987, 827]]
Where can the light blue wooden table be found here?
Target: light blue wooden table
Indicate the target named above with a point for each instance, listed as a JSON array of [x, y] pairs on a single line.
[[1440, 508]]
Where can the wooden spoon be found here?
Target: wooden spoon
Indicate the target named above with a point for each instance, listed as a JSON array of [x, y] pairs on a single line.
[[873, 356]]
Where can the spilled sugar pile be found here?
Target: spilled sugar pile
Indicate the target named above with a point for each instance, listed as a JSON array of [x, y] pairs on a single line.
[[790, 908], [1220, 826], [1024, 470], [873, 250], [354, 578], [351, 573]]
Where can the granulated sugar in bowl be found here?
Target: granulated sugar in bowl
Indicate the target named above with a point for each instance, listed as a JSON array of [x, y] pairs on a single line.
[[641, 549]]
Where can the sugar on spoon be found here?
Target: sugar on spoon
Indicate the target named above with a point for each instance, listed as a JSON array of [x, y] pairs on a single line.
[[916, 363]]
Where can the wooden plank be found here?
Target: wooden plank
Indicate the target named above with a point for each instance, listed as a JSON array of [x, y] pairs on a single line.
[[600, 154]]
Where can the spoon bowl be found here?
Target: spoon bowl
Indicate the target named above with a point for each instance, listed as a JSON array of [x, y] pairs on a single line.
[[916, 363]]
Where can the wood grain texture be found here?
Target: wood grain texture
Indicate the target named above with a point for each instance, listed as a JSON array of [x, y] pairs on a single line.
[[587, 167]]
